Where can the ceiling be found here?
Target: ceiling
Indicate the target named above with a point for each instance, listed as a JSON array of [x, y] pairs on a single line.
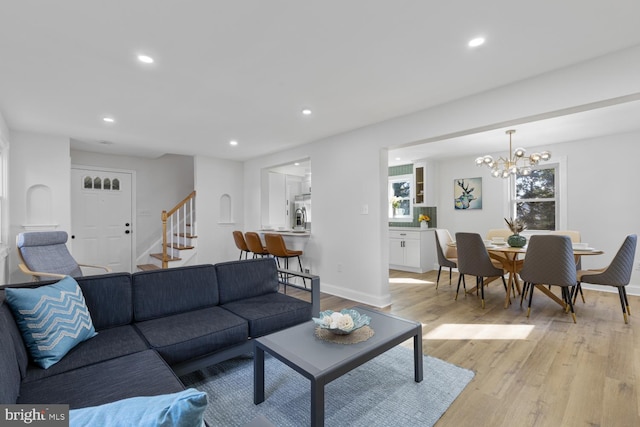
[[244, 70], [620, 118]]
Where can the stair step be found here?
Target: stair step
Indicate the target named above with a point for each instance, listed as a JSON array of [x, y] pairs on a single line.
[[180, 247], [148, 267], [159, 256], [187, 235]]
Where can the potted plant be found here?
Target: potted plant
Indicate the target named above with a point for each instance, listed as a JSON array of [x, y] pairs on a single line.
[[395, 204], [424, 220], [516, 226]]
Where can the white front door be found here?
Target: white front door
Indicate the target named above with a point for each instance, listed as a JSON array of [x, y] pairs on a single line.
[[101, 212]]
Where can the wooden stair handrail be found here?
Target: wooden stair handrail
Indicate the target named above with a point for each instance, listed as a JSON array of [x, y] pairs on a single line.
[[166, 215]]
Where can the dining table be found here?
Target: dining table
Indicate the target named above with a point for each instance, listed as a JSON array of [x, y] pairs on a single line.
[[511, 262]]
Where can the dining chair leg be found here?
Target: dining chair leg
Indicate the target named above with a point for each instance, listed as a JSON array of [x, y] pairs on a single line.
[[626, 300], [480, 283], [438, 279], [581, 294], [531, 286], [449, 276], [458, 288], [524, 291], [622, 303], [573, 313]]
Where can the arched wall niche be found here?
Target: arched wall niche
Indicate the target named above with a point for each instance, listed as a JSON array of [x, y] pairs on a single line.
[[39, 207], [225, 215]]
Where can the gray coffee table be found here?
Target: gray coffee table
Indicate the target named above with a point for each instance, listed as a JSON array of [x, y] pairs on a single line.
[[322, 361]]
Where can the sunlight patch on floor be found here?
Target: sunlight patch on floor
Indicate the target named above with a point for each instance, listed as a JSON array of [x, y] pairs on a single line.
[[456, 331], [409, 281]]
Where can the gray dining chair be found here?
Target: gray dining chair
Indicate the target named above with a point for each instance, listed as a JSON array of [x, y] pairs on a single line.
[[617, 274], [575, 238], [473, 259], [443, 238], [549, 261]]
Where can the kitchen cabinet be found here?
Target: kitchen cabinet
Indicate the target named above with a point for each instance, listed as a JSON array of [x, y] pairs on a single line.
[[419, 179], [412, 249]]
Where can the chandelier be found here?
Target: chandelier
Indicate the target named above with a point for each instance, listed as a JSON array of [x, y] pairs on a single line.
[[516, 163]]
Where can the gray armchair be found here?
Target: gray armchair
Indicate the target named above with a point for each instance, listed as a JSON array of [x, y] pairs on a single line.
[[45, 253]]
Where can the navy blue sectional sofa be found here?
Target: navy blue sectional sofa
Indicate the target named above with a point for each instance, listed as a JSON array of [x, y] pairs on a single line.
[[152, 327]]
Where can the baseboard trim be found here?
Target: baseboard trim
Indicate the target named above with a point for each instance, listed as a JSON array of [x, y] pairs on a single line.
[[379, 302]]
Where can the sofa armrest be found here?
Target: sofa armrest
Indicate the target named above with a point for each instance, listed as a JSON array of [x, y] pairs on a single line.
[[315, 287]]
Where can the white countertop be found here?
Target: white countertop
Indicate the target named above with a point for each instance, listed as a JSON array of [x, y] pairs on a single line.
[[411, 229], [287, 232]]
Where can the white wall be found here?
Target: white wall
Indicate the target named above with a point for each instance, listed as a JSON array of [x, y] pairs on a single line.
[[161, 183], [348, 171], [213, 179], [37, 159]]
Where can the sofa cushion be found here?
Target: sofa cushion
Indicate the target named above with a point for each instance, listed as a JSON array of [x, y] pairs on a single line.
[[182, 409], [10, 376], [159, 293], [108, 344], [189, 335], [52, 319], [109, 299], [247, 278], [271, 312], [138, 374]]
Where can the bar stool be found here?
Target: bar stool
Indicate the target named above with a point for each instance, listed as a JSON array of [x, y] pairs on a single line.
[[255, 244], [277, 248], [241, 244]]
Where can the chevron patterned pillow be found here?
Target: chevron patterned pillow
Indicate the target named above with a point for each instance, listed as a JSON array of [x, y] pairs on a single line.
[[52, 319]]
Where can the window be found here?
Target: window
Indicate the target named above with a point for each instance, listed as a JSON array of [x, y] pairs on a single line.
[[536, 198], [400, 198], [98, 183]]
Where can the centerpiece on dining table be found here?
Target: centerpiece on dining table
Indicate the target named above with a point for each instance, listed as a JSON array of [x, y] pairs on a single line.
[[516, 226]]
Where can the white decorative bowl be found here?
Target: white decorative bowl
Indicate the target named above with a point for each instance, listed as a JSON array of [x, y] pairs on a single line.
[[330, 318]]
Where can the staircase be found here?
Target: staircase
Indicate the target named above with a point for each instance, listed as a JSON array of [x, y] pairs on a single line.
[[178, 242]]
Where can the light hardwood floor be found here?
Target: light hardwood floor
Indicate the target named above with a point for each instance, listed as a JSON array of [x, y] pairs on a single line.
[[538, 371]]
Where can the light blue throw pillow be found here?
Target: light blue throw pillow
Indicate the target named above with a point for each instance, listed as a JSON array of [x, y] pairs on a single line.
[[52, 319], [182, 409]]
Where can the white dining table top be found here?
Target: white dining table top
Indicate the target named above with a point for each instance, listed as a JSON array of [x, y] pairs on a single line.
[[522, 250]]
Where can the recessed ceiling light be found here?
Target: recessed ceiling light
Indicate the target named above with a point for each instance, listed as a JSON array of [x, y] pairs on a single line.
[[108, 119], [306, 112], [296, 164], [145, 58], [233, 142], [478, 41]]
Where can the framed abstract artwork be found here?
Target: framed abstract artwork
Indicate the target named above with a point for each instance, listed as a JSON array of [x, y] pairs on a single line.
[[467, 193]]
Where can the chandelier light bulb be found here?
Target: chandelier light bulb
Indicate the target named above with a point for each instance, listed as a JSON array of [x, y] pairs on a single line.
[[516, 163]]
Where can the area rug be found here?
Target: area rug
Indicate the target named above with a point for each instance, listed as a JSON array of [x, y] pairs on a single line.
[[381, 392]]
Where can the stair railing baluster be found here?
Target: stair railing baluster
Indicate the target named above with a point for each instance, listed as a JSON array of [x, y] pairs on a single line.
[[174, 215]]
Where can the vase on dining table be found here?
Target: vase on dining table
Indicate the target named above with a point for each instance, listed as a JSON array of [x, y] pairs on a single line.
[[516, 241]]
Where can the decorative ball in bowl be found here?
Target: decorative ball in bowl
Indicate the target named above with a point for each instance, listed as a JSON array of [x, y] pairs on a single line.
[[343, 322]]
